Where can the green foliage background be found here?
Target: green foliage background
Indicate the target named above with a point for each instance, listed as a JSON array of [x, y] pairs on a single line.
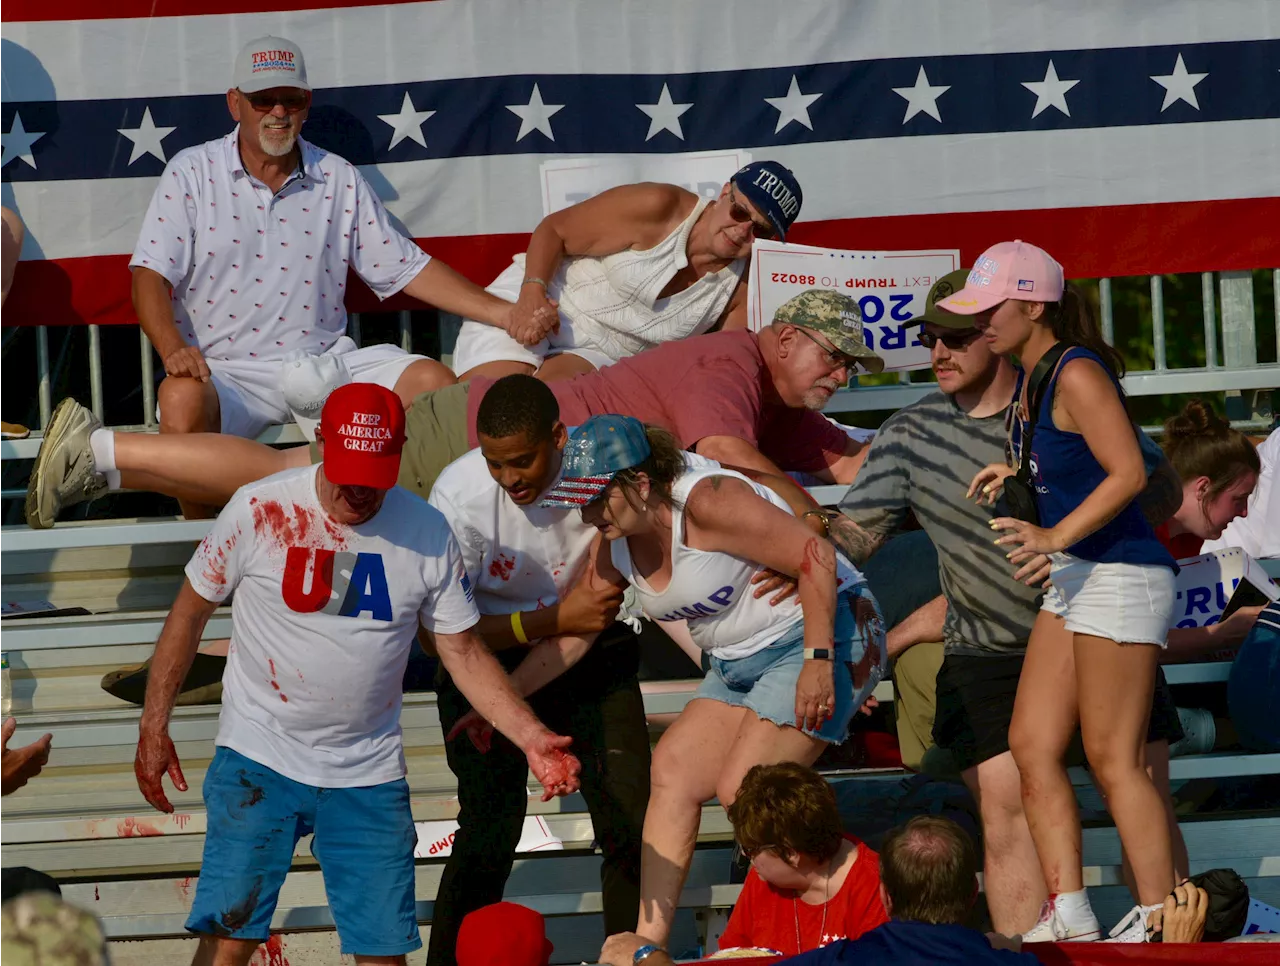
[[1131, 312]]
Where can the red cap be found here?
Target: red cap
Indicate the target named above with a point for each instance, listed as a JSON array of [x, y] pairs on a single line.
[[363, 429], [503, 934]]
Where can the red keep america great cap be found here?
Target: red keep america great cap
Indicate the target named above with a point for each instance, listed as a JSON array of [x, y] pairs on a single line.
[[362, 426]]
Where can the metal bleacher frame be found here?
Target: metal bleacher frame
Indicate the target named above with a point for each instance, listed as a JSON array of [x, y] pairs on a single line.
[[84, 821]]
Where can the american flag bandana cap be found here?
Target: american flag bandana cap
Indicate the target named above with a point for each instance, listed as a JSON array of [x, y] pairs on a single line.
[[596, 451]]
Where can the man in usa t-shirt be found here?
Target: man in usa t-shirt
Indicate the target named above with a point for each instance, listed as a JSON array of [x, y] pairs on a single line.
[[333, 568]]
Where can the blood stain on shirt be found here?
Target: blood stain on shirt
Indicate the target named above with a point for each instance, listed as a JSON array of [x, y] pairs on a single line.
[[502, 567]]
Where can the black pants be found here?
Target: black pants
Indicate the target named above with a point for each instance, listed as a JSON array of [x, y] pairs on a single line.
[[598, 704]]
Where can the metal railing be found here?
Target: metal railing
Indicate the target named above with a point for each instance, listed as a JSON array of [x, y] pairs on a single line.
[[1235, 370]]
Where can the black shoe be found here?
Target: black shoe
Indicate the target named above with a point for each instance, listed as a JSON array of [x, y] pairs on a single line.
[[202, 685]]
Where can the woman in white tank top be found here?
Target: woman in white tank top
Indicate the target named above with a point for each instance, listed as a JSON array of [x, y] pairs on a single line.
[[785, 680], [626, 270]]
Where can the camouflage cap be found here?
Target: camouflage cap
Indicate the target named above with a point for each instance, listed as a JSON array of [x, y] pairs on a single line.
[[949, 284], [834, 315], [42, 930]]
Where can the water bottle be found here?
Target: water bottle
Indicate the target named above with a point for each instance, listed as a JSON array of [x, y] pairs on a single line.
[[6, 688]]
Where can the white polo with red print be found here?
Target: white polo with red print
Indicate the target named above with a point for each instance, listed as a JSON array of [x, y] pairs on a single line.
[[258, 275]]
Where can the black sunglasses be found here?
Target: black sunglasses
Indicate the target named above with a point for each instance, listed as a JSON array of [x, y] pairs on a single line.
[[265, 101], [835, 358], [952, 340], [740, 214]]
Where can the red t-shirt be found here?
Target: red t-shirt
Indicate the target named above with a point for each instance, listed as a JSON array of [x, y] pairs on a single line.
[[765, 917], [1182, 546], [709, 385]]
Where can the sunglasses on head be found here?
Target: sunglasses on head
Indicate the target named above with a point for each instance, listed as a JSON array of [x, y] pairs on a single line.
[[740, 214], [265, 101], [952, 340]]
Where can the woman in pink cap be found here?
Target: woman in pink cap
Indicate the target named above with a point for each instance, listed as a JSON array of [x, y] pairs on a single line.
[[1091, 660]]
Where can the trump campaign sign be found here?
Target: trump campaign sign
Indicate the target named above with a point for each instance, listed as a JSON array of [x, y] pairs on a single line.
[[890, 288], [1206, 585]]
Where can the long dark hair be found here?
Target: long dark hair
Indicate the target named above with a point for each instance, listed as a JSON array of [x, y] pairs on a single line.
[[1072, 321]]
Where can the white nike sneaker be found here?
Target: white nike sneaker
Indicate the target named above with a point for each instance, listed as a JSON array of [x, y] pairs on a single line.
[[1132, 928], [1052, 928], [64, 471]]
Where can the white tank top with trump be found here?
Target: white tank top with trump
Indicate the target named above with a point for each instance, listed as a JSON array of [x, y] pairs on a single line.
[[612, 303], [711, 590]]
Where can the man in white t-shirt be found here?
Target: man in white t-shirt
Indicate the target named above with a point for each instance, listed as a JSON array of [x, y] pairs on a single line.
[[530, 567], [243, 256], [333, 568]]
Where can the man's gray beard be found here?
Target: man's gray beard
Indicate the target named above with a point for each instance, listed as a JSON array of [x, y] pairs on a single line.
[[816, 401], [271, 143]]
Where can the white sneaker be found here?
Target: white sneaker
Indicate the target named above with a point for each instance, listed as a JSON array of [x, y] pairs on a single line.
[[1132, 928], [1052, 928], [64, 472]]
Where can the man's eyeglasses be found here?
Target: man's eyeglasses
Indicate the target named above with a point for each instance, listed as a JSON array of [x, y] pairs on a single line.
[[834, 357], [265, 101], [740, 214], [952, 340]]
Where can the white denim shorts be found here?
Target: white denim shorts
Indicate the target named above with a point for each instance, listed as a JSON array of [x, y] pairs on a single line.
[[1123, 602]]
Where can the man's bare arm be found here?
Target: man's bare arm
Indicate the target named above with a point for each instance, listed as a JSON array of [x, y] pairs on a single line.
[[439, 285], [843, 468], [923, 624], [854, 542], [153, 301], [175, 650], [12, 233], [486, 686]]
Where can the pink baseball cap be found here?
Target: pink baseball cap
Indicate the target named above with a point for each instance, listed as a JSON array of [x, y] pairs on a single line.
[[1009, 270]]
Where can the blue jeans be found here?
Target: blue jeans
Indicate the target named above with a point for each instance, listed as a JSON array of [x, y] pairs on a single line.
[[765, 681], [364, 839]]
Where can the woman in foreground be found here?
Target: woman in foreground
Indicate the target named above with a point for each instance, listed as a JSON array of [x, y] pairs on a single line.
[[783, 678], [1091, 660]]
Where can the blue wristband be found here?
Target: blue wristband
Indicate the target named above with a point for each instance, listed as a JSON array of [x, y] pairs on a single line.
[[644, 952]]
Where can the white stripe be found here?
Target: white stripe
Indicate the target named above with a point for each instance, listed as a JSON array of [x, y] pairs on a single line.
[[842, 179], [480, 38]]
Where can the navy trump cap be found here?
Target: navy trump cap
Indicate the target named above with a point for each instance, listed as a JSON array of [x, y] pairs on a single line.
[[774, 190]]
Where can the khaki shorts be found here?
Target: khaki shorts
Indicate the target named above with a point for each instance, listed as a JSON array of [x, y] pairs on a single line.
[[435, 435]]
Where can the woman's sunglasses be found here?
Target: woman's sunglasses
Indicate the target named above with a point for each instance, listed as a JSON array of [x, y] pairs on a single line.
[[740, 214]]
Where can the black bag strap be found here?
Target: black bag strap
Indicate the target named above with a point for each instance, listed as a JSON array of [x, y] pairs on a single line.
[[1035, 395]]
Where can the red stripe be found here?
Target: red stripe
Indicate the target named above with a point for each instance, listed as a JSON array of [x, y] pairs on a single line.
[[1090, 243], [19, 11]]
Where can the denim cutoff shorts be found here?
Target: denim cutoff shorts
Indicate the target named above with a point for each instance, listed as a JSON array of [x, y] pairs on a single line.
[[1122, 602], [765, 682]]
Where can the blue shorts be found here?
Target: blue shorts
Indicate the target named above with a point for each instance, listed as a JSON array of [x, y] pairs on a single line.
[[765, 682], [364, 840]]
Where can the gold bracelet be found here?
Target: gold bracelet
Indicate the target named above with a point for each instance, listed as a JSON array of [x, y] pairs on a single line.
[[517, 628], [824, 516], [535, 281]]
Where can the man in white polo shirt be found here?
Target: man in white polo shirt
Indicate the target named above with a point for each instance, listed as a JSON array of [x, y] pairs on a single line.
[[530, 569], [333, 568], [243, 255]]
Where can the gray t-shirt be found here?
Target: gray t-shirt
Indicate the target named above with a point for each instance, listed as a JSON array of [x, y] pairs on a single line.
[[922, 461]]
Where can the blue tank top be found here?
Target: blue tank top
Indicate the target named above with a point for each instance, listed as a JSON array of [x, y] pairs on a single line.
[[1064, 472]]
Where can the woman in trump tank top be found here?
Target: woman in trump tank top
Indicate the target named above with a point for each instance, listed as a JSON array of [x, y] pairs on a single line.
[[1105, 618], [784, 681]]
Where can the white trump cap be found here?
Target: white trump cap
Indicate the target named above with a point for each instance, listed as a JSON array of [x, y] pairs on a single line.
[[306, 381], [270, 62]]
